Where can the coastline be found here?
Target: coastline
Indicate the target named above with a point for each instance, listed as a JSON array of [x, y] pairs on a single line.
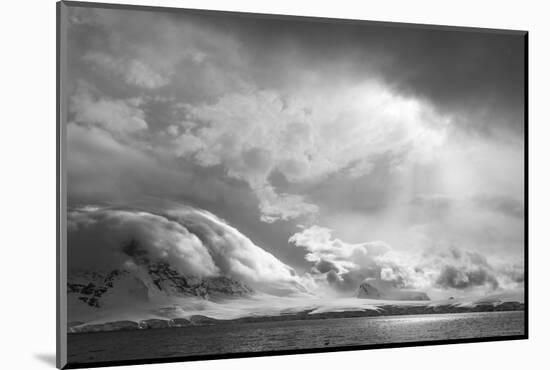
[[200, 320]]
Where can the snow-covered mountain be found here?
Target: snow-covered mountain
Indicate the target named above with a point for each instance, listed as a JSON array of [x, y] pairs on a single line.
[[92, 293], [157, 296]]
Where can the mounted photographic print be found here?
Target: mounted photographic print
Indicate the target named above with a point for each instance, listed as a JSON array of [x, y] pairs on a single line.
[[235, 184]]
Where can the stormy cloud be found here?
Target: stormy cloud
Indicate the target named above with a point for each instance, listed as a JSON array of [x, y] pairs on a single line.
[[318, 153], [196, 243]]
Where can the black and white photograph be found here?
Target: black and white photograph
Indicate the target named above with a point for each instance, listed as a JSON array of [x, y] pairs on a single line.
[[240, 184]]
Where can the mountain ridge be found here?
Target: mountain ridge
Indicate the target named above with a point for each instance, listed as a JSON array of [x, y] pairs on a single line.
[[144, 282]]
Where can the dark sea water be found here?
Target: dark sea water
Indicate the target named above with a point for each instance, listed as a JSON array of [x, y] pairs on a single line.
[[269, 336]]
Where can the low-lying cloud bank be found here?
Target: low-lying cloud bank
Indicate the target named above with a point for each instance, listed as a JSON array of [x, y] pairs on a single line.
[[195, 242], [440, 271]]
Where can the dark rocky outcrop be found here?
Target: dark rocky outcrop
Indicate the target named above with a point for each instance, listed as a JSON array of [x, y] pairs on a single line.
[[91, 287], [96, 285], [170, 281]]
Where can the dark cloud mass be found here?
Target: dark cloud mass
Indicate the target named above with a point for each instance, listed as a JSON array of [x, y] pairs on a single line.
[[478, 75], [325, 266]]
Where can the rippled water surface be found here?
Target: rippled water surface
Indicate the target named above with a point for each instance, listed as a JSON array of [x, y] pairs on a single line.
[[269, 336]]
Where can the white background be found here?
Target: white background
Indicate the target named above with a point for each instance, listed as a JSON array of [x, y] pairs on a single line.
[[27, 129]]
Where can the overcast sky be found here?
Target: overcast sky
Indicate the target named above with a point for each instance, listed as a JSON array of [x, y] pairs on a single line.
[[343, 150]]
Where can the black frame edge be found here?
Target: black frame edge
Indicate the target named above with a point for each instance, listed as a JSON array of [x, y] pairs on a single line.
[[526, 182]]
